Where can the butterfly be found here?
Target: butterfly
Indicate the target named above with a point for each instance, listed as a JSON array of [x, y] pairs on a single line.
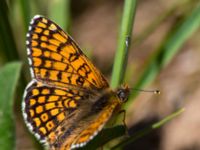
[[68, 101]]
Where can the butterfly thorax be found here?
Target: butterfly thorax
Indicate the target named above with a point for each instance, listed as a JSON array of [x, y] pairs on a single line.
[[108, 96]]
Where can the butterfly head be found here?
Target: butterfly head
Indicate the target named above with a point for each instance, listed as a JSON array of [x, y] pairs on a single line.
[[123, 93]]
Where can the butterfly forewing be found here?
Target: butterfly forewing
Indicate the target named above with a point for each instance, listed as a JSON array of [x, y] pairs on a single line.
[[56, 59]]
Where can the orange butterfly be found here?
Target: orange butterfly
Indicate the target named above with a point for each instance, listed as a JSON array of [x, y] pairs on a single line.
[[68, 100]]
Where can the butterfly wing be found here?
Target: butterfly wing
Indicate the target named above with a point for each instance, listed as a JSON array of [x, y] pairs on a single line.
[[45, 107], [96, 125], [56, 59], [65, 118], [91, 118], [63, 79]]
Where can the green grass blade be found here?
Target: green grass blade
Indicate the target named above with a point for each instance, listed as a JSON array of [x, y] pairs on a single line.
[[26, 14], [59, 11], [9, 75], [148, 129], [8, 48], [168, 50], [122, 51]]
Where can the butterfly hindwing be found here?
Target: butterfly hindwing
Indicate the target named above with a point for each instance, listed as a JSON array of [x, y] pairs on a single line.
[[45, 107], [89, 121], [95, 125]]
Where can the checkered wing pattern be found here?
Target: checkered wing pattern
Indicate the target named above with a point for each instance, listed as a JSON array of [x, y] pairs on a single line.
[[56, 59], [61, 104], [46, 107]]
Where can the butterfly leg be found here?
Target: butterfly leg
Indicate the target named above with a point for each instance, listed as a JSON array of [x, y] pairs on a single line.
[[123, 111]]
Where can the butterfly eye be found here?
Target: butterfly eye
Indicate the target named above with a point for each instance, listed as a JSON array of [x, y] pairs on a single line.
[[123, 94]]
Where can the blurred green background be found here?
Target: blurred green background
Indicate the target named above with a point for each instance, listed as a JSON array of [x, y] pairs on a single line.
[[164, 54]]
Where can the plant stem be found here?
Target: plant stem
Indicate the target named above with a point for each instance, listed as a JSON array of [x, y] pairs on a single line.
[[122, 50]]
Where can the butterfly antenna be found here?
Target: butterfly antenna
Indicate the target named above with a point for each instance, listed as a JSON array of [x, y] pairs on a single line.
[[149, 91]]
